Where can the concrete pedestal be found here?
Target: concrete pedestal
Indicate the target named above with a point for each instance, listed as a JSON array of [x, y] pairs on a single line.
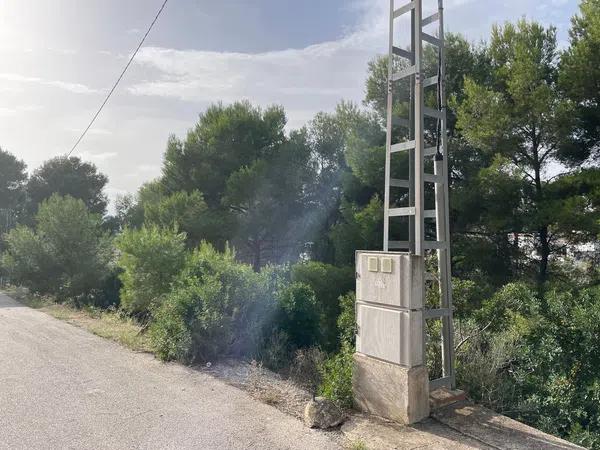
[[389, 390]]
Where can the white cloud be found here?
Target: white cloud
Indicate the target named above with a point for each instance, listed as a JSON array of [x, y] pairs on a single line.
[[145, 170], [91, 132], [143, 173], [62, 51], [11, 89], [97, 157], [76, 88], [311, 78], [6, 112]]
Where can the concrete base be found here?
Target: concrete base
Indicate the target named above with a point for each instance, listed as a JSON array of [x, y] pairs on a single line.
[[443, 397], [390, 391]]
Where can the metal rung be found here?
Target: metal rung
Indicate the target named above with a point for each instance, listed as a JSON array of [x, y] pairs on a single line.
[[431, 39], [435, 313], [402, 146], [430, 81], [432, 18], [434, 245], [430, 151], [427, 245], [429, 214], [398, 245], [440, 382], [401, 212], [431, 178], [403, 53], [395, 182], [436, 113], [404, 9], [400, 121], [410, 70]]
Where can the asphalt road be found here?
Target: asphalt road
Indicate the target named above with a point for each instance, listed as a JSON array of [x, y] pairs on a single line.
[[64, 388]]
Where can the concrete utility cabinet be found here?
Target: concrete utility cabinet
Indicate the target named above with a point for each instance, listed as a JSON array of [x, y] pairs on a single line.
[[390, 378]]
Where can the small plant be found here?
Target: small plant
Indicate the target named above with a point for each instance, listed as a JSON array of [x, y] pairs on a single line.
[[357, 445], [274, 351], [346, 321], [337, 377], [305, 368]]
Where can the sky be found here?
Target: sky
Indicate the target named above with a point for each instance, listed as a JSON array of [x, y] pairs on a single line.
[[59, 58]]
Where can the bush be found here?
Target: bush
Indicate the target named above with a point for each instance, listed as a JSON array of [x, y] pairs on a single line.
[[294, 324], [346, 321], [336, 371], [484, 365], [108, 293], [186, 211], [328, 283], [67, 255], [536, 360], [298, 316], [336, 375], [150, 258], [306, 368], [216, 308], [275, 351], [27, 261], [557, 374]]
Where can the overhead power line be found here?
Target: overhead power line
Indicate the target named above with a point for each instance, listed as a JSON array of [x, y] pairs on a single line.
[[118, 79]]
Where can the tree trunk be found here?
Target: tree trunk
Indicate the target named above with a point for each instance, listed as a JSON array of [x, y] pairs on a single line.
[[544, 255], [544, 245]]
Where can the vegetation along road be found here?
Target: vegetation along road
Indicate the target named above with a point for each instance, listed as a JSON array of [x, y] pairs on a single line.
[[61, 387]]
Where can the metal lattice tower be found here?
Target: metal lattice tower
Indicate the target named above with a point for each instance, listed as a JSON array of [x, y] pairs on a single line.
[[420, 157]]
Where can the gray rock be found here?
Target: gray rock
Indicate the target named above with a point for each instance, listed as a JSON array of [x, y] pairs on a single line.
[[322, 413]]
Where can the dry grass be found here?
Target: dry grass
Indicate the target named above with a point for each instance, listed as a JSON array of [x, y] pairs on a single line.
[[358, 445], [107, 324]]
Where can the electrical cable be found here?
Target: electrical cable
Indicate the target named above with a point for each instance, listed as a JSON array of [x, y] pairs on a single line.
[[118, 79]]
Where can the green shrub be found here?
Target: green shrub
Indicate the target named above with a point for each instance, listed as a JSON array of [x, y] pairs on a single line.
[[67, 255], [216, 308], [27, 261], [328, 283], [295, 322], [108, 294], [484, 364], [186, 211], [150, 258], [170, 332], [336, 375], [298, 315], [336, 371], [346, 321]]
